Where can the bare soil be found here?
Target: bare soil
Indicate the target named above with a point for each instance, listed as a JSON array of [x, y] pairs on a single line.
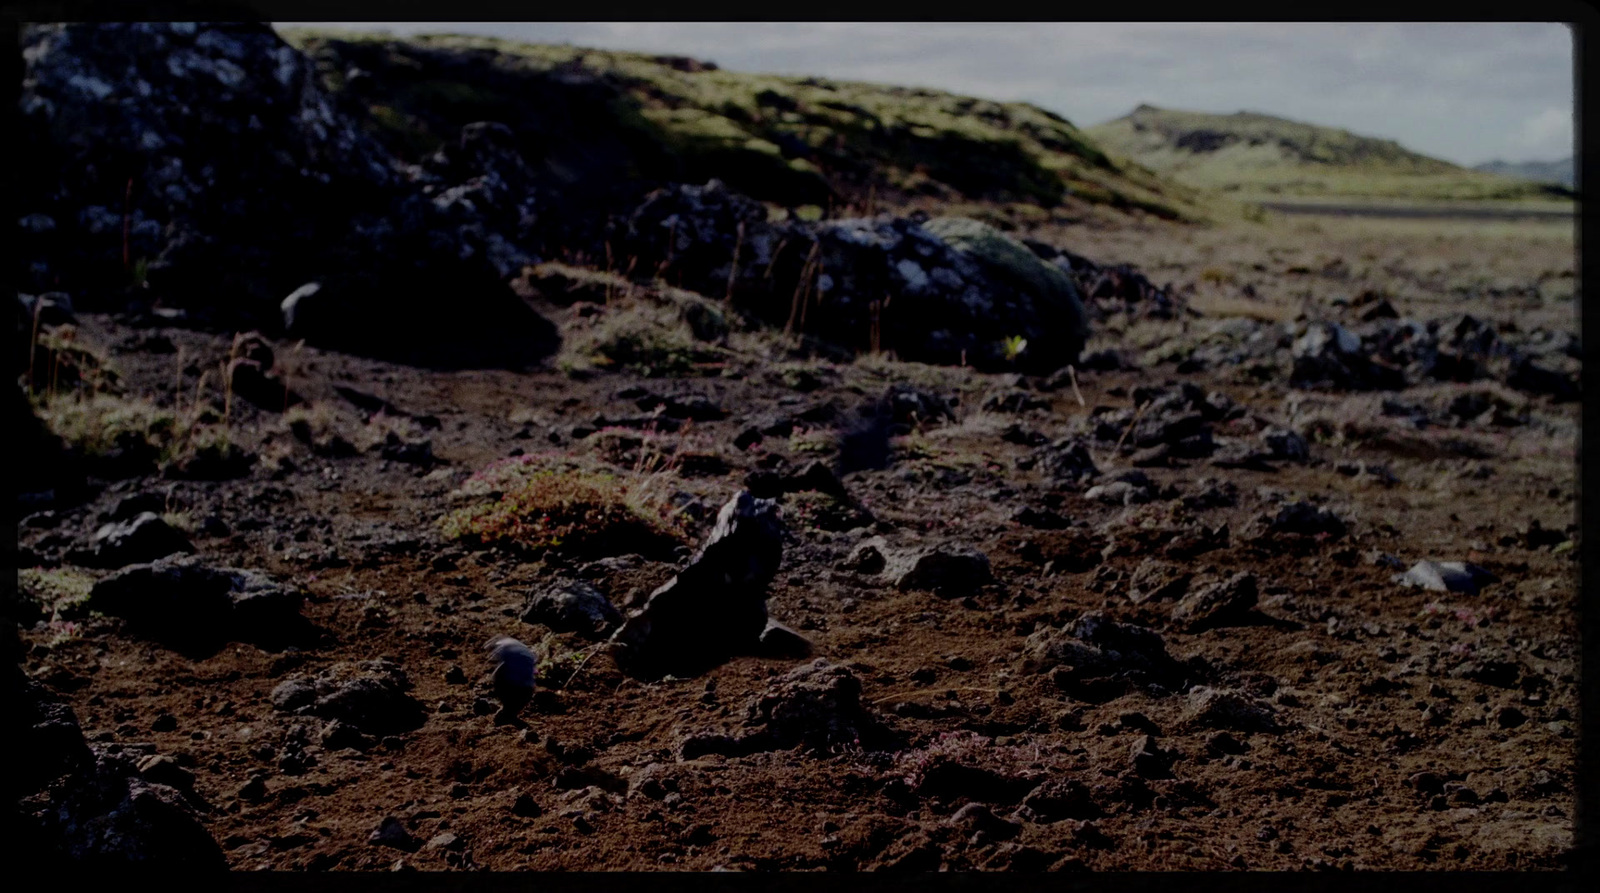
[[1388, 753]]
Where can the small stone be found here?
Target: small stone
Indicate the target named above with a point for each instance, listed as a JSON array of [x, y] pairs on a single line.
[[1447, 576], [391, 832], [526, 806], [1218, 604], [164, 769], [1509, 717], [252, 791], [446, 840]]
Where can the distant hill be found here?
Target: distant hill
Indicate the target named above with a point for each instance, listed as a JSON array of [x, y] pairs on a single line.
[[1261, 157], [598, 115], [1562, 171]]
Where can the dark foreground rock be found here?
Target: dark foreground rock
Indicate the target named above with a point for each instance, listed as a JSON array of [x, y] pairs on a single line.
[[76, 807], [373, 696], [1096, 658], [716, 606], [183, 602], [124, 125]]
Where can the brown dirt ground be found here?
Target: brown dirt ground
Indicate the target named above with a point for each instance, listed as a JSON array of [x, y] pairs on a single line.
[[1356, 666]]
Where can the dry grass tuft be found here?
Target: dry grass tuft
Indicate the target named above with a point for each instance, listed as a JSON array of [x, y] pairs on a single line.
[[539, 503]]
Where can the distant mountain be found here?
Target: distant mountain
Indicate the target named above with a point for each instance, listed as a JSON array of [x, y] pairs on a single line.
[[1562, 171], [1261, 157]]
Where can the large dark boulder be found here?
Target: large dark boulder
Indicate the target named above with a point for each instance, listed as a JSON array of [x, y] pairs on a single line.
[[204, 167], [944, 291], [194, 607], [72, 806]]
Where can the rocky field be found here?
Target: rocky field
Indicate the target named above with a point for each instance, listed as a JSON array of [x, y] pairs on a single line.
[[1134, 543]]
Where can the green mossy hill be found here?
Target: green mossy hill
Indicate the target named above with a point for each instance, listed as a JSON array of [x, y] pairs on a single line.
[[591, 114], [1261, 156]]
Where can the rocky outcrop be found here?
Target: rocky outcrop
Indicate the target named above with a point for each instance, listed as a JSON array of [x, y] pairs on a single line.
[[937, 291], [189, 605], [73, 806], [203, 167]]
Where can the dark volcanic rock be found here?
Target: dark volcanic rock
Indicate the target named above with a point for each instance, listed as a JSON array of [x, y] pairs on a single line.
[[1305, 519], [951, 570], [76, 807], [371, 696], [146, 537], [571, 606], [1213, 708], [963, 290], [1330, 355], [817, 705], [232, 173], [1067, 460], [185, 603], [1061, 798], [1097, 657], [717, 605], [1217, 604]]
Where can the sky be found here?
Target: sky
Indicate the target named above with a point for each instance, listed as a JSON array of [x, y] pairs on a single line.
[[1465, 92]]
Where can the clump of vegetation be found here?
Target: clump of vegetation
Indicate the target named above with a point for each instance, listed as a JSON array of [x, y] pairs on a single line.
[[60, 363], [53, 594], [824, 511], [655, 342], [100, 426], [550, 503], [793, 141], [813, 440]]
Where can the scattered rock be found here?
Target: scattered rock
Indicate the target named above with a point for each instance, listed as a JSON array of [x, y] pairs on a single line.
[[146, 537], [1447, 576], [778, 640], [1096, 658], [1212, 708], [1042, 519], [1061, 798], [978, 817], [1217, 604], [392, 832], [1155, 579], [950, 570], [1305, 519], [1148, 759], [371, 696], [817, 705], [185, 603], [1014, 402], [1128, 487], [571, 606], [1066, 461]]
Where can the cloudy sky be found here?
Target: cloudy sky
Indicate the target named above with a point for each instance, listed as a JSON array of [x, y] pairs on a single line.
[[1464, 92]]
